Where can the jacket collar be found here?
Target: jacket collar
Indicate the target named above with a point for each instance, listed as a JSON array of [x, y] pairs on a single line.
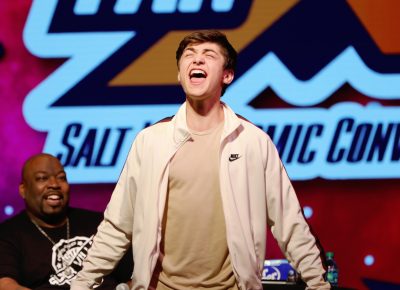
[[181, 131]]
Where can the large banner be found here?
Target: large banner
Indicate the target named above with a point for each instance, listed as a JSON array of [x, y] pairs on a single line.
[[324, 85], [80, 78]]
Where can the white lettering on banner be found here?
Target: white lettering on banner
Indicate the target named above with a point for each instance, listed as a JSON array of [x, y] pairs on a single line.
[[345, 141]]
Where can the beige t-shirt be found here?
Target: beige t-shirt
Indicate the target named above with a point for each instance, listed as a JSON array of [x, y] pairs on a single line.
[[194, 251]]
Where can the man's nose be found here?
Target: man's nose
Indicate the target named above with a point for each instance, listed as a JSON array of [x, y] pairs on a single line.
[[198, 59], [53, 182]]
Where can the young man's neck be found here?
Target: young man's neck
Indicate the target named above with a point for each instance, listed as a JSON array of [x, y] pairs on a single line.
[[201, 115]]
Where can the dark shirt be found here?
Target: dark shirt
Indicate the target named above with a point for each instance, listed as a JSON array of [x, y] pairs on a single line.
[[28, 257]]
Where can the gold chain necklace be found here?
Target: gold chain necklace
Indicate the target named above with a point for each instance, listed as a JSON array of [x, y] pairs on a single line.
[[66, 265]]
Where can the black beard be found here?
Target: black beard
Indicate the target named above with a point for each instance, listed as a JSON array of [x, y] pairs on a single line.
[[55, 218]]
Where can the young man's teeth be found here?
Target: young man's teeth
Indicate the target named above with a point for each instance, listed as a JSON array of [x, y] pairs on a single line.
[[197, 73]]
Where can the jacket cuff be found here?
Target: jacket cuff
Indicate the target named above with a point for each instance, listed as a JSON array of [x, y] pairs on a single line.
[[318, 283]]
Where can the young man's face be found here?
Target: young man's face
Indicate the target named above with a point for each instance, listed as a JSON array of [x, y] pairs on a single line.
[[45, 188], [201, 71]]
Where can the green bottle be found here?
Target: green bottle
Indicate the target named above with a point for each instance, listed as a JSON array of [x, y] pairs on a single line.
[[332, 271]]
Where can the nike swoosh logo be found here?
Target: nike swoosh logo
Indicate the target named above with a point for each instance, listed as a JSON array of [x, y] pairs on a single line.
[[234, 157]]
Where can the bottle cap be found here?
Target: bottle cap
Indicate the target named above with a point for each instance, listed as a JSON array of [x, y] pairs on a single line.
[[329, 255]]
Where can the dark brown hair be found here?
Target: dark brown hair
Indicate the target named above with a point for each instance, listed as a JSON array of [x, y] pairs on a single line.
[[213, 36]]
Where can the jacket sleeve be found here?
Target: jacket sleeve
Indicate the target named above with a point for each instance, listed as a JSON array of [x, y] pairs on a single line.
[[114, 234], [288, 224]]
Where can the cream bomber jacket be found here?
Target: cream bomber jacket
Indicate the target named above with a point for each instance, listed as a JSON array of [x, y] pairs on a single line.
[[255, 191]]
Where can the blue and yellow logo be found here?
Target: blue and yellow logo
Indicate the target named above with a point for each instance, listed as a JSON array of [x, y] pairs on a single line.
[[321, 77]]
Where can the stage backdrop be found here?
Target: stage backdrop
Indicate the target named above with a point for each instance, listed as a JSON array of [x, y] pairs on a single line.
[[80, 78]]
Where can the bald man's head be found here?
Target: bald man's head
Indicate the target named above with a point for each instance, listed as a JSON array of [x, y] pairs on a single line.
[[45, 189]]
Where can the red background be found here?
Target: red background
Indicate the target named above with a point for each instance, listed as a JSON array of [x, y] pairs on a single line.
[[352, 218]]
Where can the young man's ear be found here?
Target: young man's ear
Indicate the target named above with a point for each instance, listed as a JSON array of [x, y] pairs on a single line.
[[21, 189], [179, 77], [228, 76]]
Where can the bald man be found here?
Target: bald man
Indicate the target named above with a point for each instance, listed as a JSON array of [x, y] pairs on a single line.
[[43, 246]]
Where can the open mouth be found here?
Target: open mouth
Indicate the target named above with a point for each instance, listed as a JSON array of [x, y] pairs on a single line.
[[54, 199], [197, 74]]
